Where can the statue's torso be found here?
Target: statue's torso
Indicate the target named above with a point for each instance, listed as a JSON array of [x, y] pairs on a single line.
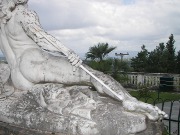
[[19, 43], [18, 39]]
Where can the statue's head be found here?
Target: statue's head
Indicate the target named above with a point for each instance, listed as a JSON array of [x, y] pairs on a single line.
[[7, 6], [16, 2]]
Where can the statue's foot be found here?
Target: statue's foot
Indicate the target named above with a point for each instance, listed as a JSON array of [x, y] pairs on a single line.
[[152, 112]]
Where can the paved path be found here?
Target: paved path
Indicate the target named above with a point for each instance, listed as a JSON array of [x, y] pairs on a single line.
[[174, 114]]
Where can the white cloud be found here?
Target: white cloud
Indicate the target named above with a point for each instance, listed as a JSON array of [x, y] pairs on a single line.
[[125, 23]]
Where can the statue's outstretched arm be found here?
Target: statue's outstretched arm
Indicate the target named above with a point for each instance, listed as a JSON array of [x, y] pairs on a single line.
[[45, 41]]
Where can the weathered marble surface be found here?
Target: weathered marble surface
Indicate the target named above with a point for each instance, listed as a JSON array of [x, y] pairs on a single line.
[[6, 129], [5, 88], [107, 117]]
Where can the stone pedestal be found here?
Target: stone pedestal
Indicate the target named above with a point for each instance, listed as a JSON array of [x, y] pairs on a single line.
[[86, 113], [6, 129]]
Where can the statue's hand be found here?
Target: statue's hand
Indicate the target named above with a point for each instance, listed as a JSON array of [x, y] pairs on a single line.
[[74, 60]]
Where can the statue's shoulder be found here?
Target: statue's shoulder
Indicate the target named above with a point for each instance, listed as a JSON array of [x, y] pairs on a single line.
[[27, 16]]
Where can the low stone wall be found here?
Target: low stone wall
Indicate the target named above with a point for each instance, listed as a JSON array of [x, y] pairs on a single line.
[[152, 79]]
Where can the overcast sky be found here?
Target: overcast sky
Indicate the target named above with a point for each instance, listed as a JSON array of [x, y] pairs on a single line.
[[127, 24]]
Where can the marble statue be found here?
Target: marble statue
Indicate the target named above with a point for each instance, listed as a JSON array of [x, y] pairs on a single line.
[[48, 71]]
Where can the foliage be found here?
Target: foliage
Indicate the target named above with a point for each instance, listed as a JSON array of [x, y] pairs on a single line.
[[139, 63], [165, 131], [156, 59], [143, 91], [99, 61], [171, 54], [121, 65], [120, 77], [119, 69], [178, 63], [99, 52], [161, 60], [115, 67], [154, 95], [103, 66]]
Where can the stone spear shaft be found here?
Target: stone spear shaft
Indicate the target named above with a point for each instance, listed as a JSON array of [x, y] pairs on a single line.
[[107, 89], [55, 42]]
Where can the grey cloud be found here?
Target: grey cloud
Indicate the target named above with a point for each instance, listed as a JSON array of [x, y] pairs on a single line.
[[125, 23], [63, 16]]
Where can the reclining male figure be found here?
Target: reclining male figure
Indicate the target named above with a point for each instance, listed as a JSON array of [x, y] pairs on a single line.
[[33, 59]]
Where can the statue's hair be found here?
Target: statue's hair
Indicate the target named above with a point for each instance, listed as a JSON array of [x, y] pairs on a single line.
[[8, 6], [20, 1]]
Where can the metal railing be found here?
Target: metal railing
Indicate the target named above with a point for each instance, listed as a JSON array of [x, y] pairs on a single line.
[[172, 108]]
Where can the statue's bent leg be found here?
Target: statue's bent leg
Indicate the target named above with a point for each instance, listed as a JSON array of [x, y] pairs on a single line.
[[38, 66]]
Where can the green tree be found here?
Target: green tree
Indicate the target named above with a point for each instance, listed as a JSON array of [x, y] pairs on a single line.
[[104, 66], [171, 58], [119, 70], [161, 59], [99, 52], [178, 63], [97, 55], [163, 53], [139, 63], [157, 59]]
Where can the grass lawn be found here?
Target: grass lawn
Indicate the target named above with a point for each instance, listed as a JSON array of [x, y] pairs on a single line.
[[163, 97]]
